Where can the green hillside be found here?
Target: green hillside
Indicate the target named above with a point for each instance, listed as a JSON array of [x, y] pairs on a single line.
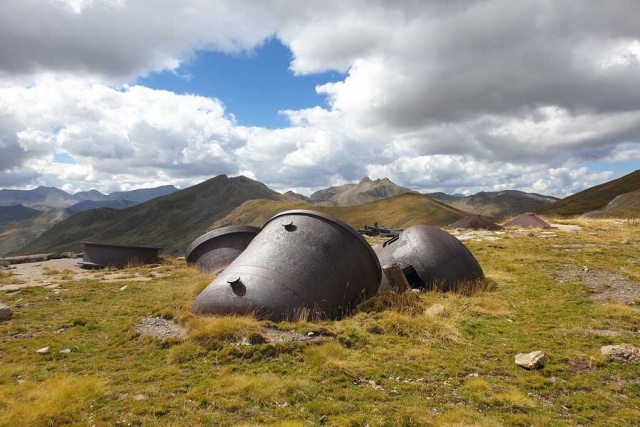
[[594, 198], [172, 221], [400, 211]]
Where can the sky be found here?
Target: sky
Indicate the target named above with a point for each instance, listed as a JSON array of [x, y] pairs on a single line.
[[459, 96]]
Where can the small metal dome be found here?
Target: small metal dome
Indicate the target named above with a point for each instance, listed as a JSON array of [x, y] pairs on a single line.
[[429, 256], [214, 251]]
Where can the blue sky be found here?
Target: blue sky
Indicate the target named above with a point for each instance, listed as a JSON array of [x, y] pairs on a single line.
[[254, 86]]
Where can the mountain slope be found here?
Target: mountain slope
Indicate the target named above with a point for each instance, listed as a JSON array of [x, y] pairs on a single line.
[[171, 221], [623, 206], [594, 198], [16, 213], [91, 204], [497, 204], [366, 191], [295, 197], [400, 211], [17, 234]]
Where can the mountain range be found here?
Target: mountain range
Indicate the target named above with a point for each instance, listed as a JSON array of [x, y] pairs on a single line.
[[498, 204], [47, 198], [366, 191], [172, 221], [26, 214]]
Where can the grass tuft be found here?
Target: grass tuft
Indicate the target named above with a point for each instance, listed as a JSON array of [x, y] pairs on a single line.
[[57, 401]]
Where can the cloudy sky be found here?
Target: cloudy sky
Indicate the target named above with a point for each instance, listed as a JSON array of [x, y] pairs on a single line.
[[458, 96]]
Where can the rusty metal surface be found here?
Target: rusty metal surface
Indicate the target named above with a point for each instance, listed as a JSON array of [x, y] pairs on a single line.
[[300, 261], [214, 251], [108, 255], [428, 256]]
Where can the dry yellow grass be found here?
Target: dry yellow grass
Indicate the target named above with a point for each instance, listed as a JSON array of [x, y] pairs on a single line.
[[54, 402]]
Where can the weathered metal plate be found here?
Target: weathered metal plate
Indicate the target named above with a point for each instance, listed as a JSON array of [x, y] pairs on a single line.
[[302, 262], [109, 255], [214, 251], [429, 256]]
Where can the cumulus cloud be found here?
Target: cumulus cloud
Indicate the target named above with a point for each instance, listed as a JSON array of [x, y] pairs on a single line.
[[461, 96]]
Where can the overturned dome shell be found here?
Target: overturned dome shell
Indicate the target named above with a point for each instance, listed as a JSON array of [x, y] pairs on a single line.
[[214, 251], [429, 257], [303, 263]]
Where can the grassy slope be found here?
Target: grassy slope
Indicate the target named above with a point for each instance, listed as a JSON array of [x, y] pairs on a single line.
[[380, 369], [499, 206], [171, 221], [594, 198], [399, 211], [624, 206]]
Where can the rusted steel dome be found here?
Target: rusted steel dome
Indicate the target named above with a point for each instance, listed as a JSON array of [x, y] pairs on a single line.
[[429, 257], [474, 222], [214, 251], [301, 262], [527, 220]]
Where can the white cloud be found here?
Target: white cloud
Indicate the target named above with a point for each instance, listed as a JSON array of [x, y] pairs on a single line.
[[452, 95]]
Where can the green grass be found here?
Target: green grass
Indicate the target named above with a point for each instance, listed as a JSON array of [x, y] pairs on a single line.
[[402, 211], [388, 365]]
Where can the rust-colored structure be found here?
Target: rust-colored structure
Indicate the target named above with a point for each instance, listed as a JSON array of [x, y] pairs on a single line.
[[474, 222], [527, 220]]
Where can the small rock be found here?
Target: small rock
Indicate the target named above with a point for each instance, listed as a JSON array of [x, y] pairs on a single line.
[[140, 397], [626, 242], [585, 269], [180, 258], [122, 288], [5, 312], [310, 334], [43, 350], [621, 352], [65, 351], [416, 291], [533, 360], [435, 310], [324, 419]]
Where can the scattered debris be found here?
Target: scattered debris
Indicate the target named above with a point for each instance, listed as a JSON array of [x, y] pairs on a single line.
[[160, 328], [43, 350], [275, 335], [378, 230], [625, 352], [606, 285], [533, 360], [5, 312], [65, 351]]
